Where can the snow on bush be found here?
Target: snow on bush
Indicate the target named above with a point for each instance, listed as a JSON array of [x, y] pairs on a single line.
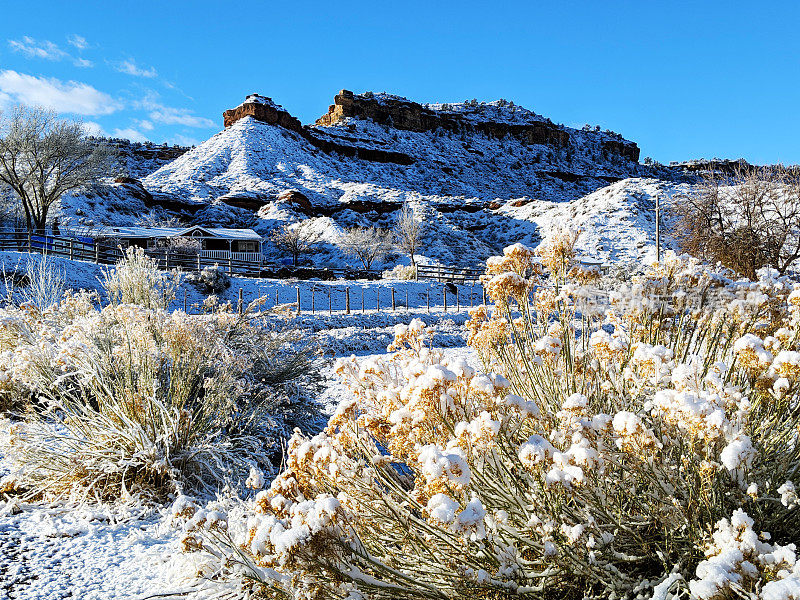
[[601, 451], [136, 279], [211, 280], [402, 272], [130, 398]]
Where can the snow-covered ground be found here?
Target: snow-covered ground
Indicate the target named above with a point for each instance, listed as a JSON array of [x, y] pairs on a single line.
[[97, 553]]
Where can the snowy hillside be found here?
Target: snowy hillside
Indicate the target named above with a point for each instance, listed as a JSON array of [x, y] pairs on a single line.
[[477, 187]]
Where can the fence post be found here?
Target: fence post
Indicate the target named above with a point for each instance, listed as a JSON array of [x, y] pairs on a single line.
[[347, 300], [298, 299], [230, 264], [458, 301], [29, 241], [378, 299], [198, 263], [444, 295], [393, 306], [96, 252], [483, 291], [71, 250], [240, 305], [428, 299]]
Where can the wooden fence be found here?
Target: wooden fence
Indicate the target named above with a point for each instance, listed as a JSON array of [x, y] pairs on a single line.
[[321, 299], [107, 253], [449, 274]]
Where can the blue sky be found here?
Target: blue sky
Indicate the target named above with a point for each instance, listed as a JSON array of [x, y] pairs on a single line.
[[683, 80]]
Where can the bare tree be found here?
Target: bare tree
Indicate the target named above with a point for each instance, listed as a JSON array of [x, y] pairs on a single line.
[[294, 240], [745, 221], [43, 157], [408, 232], [368, 244], [160, 219]]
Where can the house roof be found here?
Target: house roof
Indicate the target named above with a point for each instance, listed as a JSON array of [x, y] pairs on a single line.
[[165, 232]]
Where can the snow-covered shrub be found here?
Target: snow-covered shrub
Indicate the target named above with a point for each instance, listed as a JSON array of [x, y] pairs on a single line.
[[46, 282], [211, 280], [136, 279], [600, 450], [402, 272], [184, 244], [135, 399]]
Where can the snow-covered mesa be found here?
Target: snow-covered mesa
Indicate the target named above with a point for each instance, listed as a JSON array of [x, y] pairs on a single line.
[[475, 193]]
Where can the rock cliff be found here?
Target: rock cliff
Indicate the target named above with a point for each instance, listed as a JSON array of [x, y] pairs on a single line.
[[263, 109], [495, 120], [401, 113]]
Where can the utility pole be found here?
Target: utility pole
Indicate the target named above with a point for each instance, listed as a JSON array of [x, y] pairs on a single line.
[[658, 229]]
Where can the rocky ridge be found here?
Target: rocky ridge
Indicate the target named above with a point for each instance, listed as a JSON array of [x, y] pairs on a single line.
[[479, 175]]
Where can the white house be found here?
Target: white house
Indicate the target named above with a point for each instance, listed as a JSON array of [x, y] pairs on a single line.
[[216, 243]]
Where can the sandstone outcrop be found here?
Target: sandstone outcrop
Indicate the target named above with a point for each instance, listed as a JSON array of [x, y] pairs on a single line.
[[623, 148], [401, 113], [297, 198], [263, 109], [404, 114]]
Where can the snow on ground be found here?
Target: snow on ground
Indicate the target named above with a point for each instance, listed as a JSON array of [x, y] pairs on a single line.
[[617, 222], [59, 552]]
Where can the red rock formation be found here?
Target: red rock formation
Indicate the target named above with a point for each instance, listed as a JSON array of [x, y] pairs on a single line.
[[263, 109], [298, 198], [401, 113], [405, 114]]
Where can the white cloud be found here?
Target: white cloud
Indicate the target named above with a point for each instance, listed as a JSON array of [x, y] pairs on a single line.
[[131, 68], [183, 140], [92, 128], [62, 96], [129, 133], [78, 41], [83, 63], [178, 116], [144, 124], [35, 49]]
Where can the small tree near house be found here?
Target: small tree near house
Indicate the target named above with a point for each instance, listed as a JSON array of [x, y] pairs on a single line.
[[42, 157], [367, 244], [408, 232], [293, 240]]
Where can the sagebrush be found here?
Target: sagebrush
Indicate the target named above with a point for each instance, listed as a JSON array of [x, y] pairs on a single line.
[[636, 444]]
